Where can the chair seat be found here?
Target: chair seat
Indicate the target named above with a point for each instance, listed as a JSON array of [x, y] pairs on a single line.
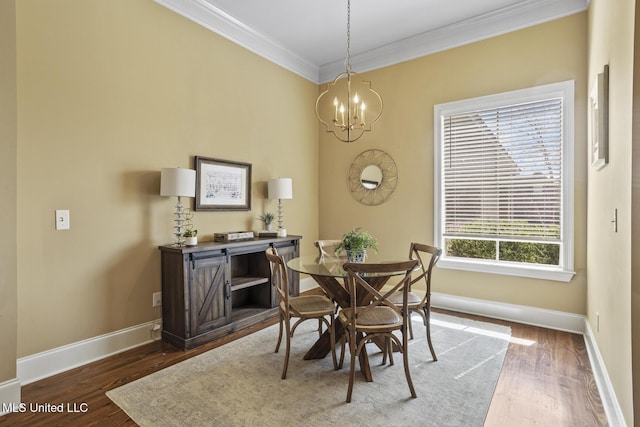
[[412, 298], [310, 304], [379, 316]]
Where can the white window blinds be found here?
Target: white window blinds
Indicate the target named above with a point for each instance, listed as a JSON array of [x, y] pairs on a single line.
[[502, 172]]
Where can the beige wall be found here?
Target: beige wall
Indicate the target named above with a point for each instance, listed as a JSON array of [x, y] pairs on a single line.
[[8, 144], [109, 92], [551, 52], [611, 26]]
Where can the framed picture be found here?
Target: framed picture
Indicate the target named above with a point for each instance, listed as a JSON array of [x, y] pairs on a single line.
[[599, 118], [222, 185]]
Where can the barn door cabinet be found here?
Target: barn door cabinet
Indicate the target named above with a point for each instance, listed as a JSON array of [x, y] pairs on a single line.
[[213, 289]]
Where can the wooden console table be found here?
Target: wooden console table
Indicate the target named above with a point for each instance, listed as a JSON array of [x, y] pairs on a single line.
[[213, 289]]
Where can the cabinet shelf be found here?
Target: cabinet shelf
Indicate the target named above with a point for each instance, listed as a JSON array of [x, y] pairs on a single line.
[[242, 282], [243, 313]]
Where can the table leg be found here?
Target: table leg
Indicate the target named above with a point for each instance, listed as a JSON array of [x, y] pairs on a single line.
[[322, 346]]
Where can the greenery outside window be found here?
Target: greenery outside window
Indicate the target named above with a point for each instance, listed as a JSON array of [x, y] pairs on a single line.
[[503, 182]]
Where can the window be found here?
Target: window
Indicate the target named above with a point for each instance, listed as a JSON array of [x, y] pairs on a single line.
[[503, 182]]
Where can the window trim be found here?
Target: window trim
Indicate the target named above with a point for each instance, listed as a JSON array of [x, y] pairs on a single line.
[[564, 272]]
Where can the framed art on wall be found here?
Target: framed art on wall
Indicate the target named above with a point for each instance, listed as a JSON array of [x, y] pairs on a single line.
[[599, 120], [222, 185]]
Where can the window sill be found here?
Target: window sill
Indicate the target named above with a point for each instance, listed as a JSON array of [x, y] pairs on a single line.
[[543, 272]]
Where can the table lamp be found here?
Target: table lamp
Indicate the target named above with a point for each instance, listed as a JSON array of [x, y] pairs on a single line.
[[181, 183], [280, 188]]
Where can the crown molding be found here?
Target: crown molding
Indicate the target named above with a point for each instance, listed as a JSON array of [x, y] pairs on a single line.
[[220, 22], [521, 15]]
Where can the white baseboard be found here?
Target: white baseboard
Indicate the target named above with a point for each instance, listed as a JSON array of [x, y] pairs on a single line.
[[9, 395], [544, 318], [607, 394], [41, 365]]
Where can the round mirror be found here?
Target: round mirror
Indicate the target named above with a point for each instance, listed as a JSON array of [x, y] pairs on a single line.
[[371, 177]]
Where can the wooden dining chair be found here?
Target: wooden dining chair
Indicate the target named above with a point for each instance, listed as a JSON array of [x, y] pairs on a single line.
[[326, 247], [381, 317], [302, 308], [427, 256]]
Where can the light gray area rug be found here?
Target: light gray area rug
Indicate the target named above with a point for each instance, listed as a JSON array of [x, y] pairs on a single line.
[[239, 383]]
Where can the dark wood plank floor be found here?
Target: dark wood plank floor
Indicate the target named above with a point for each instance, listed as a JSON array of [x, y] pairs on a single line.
[[546, 380]]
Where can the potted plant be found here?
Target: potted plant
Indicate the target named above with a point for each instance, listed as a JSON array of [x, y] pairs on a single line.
[[191, 237], [267, 218], [355, 243]]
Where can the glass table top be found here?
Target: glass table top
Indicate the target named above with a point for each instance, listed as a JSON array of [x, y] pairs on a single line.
[[332, 265]]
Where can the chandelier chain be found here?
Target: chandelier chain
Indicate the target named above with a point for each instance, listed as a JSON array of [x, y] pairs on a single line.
[[348, 59]]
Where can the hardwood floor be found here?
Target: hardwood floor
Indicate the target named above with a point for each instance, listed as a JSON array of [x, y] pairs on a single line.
[[546, 380]]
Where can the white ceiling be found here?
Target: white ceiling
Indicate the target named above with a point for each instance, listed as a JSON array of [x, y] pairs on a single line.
[[308, 37]]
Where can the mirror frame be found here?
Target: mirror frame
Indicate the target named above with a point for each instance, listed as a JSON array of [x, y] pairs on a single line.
[[388, 184]]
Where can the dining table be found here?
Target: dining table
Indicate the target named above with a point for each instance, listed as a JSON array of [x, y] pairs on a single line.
[[327, 271]]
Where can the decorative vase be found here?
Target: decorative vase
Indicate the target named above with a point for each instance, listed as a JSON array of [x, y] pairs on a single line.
[[191, 241], [267, 226], [356, 256]]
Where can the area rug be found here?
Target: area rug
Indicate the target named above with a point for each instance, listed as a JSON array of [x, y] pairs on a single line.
[[239, 383]]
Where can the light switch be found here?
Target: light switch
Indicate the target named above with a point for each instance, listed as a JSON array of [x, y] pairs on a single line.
[[614, 221], [62, 220]]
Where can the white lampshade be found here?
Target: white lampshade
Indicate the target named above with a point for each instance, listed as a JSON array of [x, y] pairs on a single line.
[[280, 188], [178, 182]]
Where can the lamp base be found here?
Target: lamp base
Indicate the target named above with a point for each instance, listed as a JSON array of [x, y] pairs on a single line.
[[177, 233]]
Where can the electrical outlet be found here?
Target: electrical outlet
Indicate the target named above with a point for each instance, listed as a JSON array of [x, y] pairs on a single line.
[[157, 299]]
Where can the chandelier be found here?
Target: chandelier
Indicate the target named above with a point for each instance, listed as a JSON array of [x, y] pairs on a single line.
[[349, 106]]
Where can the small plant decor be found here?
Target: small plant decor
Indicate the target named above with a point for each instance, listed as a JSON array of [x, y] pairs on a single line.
[[267, 218], [356, 243], [190, 233]]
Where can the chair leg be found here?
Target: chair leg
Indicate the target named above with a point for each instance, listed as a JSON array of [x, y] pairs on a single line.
[[279, 333], [332, 337], [288, 350], [410, 325], [389, 345], [343, 344], [405, 357], [385, 350], [427, 316], [352, 368]]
